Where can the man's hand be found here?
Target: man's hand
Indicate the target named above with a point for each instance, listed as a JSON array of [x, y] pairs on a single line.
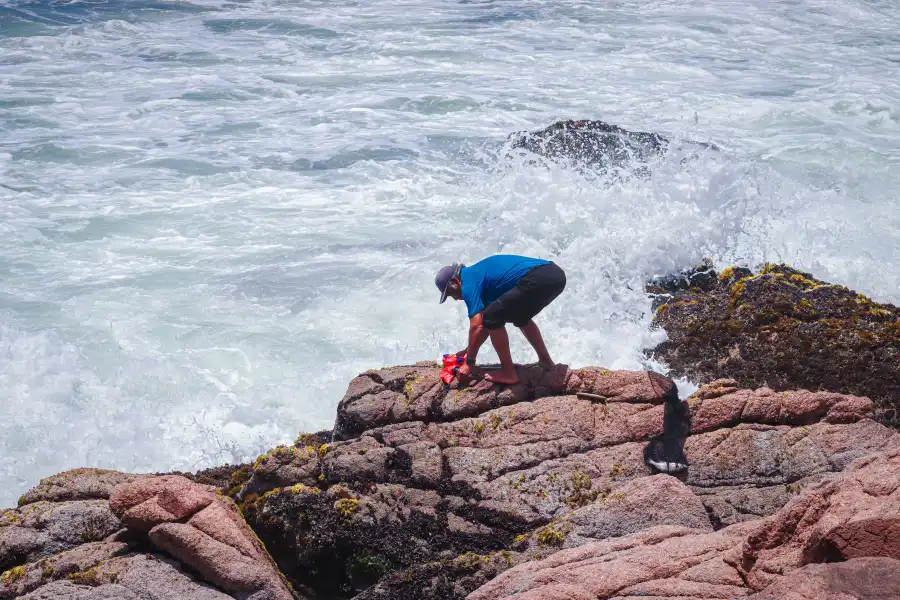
[[464, 375]]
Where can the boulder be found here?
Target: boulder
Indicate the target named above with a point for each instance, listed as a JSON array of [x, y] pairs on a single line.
[[202, 530], [150, 501], [66, 590], [79, 549], [637, 505], [287, 465], [416, 394], [593, 142], [782, 329]]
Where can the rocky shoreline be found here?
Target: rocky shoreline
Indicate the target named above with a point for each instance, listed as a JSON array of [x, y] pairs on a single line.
[[778, 478]]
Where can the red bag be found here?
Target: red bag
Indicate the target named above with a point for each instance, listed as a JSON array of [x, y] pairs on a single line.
[[452, 363]]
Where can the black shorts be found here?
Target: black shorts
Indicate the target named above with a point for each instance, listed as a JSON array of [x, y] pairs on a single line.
[[540, 286]]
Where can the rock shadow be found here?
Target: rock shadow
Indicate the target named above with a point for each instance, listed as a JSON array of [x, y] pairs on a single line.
[[665, 453]]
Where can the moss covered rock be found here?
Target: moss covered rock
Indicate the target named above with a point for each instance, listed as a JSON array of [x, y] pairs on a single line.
[[783, 329]]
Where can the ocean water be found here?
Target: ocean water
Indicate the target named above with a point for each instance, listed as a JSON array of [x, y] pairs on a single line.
[[216, 213]]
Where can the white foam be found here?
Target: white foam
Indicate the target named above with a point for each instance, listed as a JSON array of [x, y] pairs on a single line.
[[213, 220]]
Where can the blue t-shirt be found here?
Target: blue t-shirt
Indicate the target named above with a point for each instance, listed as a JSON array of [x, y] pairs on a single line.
[[488, 279]]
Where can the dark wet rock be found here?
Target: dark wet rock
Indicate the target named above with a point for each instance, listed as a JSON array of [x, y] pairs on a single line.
[[783, 329], [594, 143], [223, 477], [451, 578], [702, 277], [286, 466]]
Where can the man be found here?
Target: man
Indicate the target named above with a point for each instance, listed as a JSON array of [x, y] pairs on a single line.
[[498, 290]]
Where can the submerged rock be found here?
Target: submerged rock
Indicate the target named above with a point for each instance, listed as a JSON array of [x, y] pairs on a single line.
[[783, 329], [594, 143]]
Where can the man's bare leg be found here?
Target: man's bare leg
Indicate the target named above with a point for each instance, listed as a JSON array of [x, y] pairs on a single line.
[[533, 335], [507, 374]]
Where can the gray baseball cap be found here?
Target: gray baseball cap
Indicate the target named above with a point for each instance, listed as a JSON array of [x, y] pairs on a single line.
[[444, 276]]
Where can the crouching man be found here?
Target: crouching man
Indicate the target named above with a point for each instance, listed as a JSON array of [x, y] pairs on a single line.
[[498, 290]]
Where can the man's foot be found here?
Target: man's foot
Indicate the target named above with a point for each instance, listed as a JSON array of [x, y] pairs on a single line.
[[503, 377], [546, 364]]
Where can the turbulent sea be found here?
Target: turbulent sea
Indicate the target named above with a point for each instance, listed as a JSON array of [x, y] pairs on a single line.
[[215, 214]]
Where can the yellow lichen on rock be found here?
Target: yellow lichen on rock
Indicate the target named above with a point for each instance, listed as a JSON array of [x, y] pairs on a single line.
[[13, 575], [307, 439], [495, 421], [726, 274], [581, 493], [801, 281], [300, 488], [347, 507], [238, 479], [8, 517], [736, 290], [551, 536]]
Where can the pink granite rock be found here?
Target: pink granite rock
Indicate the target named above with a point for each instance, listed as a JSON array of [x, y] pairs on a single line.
[[504, 463], [147, 502], [856, 579], [661, 561], [215, 540], [853, 516]]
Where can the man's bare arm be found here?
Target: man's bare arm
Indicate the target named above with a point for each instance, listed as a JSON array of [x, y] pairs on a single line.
[[477, 336]]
